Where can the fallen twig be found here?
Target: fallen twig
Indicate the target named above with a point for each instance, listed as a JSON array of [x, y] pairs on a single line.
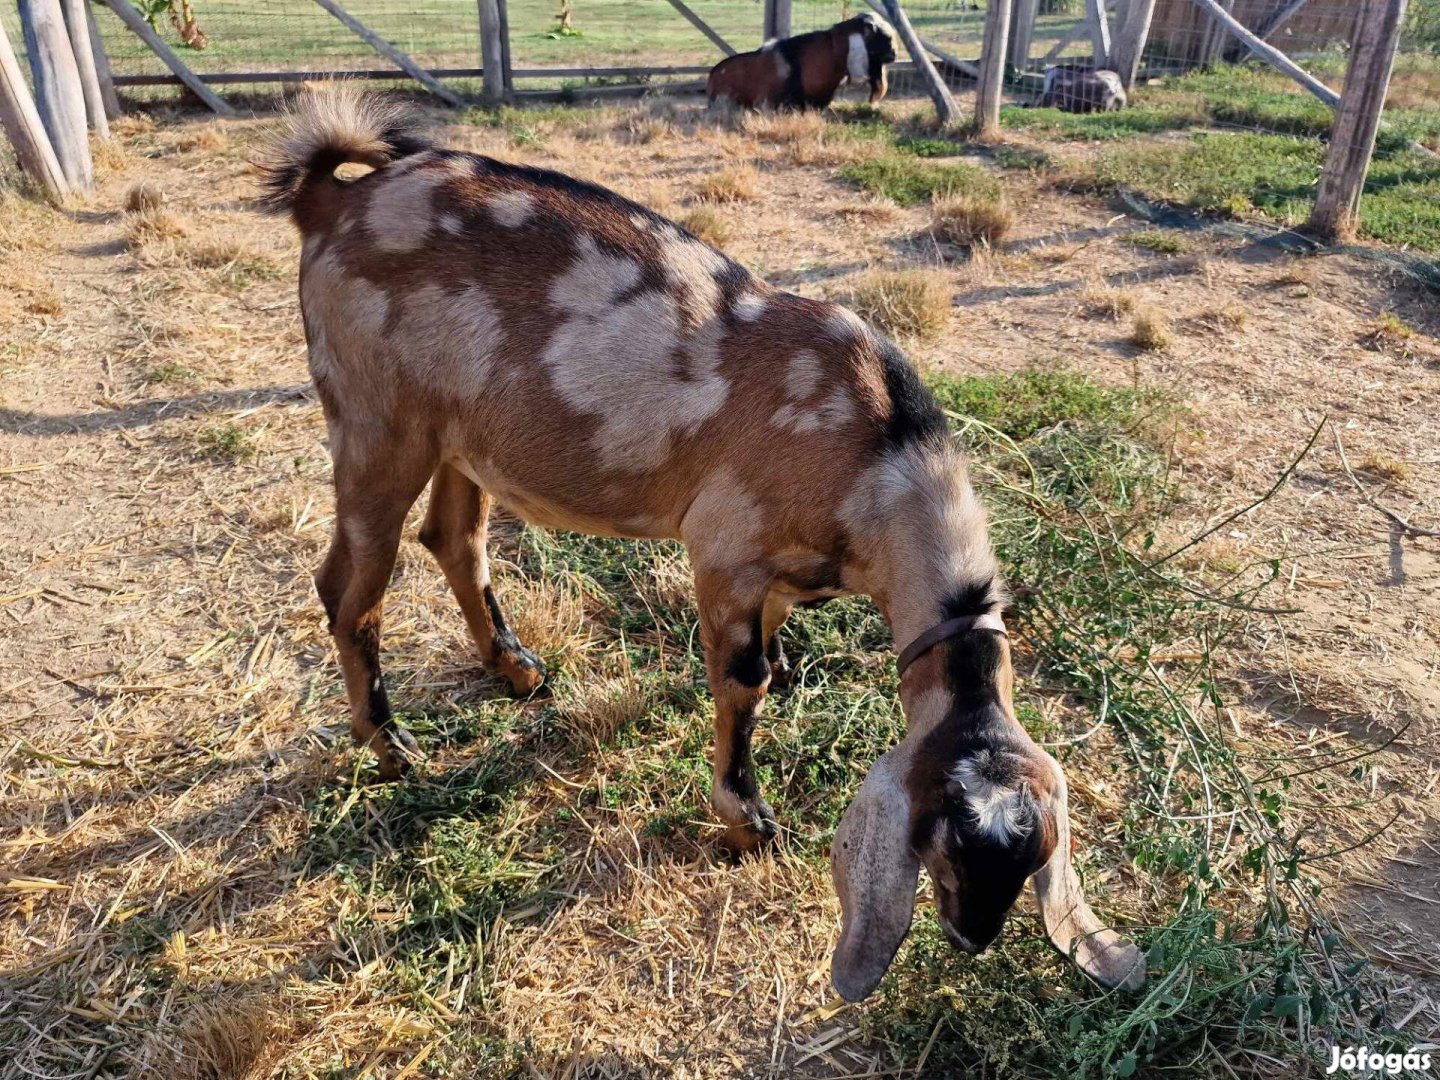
[[1404, 526]]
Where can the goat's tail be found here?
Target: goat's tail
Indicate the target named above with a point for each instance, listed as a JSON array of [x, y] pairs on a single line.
[[331, 125]]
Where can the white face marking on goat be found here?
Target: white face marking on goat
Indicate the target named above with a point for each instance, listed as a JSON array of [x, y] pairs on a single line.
[[997, 809], [618, 360], [857, 59], [511, 208], [401, 210]]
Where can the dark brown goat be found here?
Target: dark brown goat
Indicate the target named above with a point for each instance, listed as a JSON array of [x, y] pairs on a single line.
[[512, 335], [804, 72]]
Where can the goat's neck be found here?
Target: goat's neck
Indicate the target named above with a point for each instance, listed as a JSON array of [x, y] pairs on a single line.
[[934, 562]]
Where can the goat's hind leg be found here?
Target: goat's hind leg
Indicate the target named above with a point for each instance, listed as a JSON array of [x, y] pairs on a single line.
[[370, 513], [454, 531]]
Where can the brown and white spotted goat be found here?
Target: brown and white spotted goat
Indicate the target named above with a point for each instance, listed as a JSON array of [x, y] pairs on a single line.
[[804, 72], [512, 335]]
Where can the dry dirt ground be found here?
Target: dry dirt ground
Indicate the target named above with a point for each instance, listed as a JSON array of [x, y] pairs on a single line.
[[169, 702]]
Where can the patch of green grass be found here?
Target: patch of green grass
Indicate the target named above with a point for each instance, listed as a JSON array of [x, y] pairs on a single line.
[[226, 442], [1164, 243], [1241, 174], [1401, 204], [1139, 119], [928, 147], [1239, 94], [1023, 157], [1231, 173], [909, 181]]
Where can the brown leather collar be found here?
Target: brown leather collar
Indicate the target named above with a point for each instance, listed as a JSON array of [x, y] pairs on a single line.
[[948, 629]]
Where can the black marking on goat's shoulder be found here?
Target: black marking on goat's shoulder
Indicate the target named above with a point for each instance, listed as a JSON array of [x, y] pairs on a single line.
[[914, 416], [748, 665]]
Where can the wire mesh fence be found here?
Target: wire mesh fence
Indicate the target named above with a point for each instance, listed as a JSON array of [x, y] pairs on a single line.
[[562, 45]]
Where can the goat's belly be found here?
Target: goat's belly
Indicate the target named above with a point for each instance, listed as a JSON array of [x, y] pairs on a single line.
[[588, 511]]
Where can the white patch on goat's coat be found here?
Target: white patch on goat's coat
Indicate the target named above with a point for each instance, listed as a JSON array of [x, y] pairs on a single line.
[[690, 268], [835, 411], [857, 59], [802, 381], [803, 376], [915, 509], [452, 223], [511, 209], [401, 210], [723, 526], [844, 325], [782, 68], [749, 307], [997, 809], [451, 338], [631, 363]]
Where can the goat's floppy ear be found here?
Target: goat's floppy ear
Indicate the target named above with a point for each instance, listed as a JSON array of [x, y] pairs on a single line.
[[1072, 927], [875, 871]]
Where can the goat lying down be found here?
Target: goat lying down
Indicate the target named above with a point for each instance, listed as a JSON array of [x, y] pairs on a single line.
[[805, 71], [511, 335]]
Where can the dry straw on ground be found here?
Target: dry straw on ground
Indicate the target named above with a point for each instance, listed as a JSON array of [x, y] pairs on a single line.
[[911, 304]]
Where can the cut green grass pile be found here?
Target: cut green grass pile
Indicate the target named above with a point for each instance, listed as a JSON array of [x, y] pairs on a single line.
[[910, 181], [1190, 841]]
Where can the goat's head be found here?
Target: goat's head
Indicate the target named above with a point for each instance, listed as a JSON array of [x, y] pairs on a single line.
[[870, 46], [984, 809]]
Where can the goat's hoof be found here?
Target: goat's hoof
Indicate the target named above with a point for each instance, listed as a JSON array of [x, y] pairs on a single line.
[[523, 670], [780, 674], [749, 838], [396, 751]]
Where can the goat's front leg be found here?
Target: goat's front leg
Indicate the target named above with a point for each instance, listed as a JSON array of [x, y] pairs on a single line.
[[732, 633], [454, 531]]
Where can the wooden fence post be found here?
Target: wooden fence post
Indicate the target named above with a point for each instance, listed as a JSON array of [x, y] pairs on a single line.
[[80, 46], [1022, 32], [945, 107], [108, 96], [492, 52], [132, 18], [777, 19], [1130, 37], [992, 70], [58, 95], [1098, 23], [505, 65], [1352, 137], [22, 124]]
